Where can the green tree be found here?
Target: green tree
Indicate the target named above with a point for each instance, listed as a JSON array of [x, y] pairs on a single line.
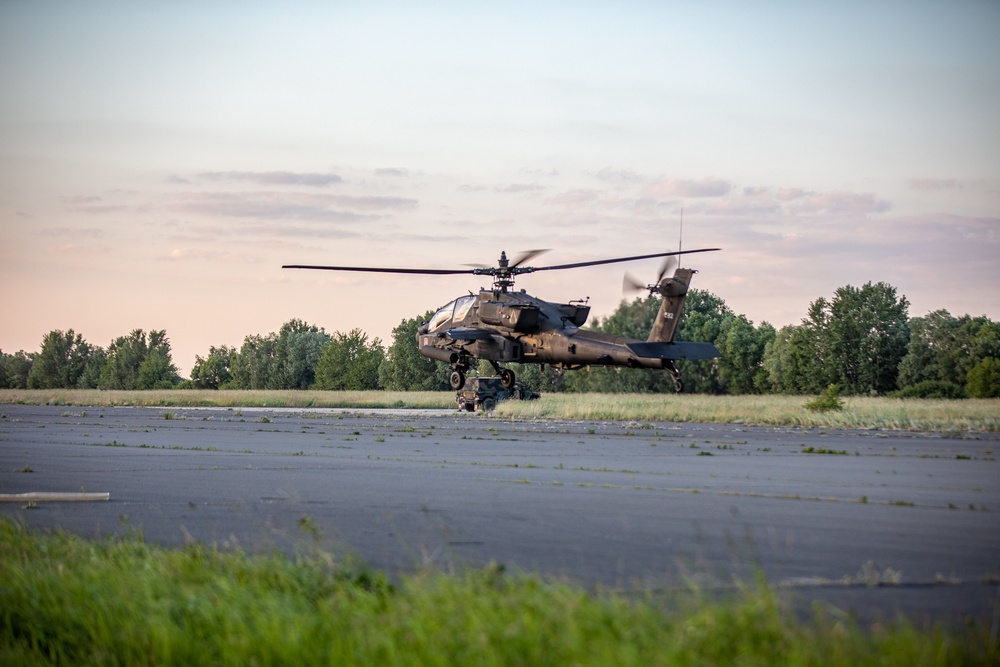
[[91, 376], [945, 348], [157, 371], [215, 370], [15, 369], [254, 366], [350, 362], [61, 362], [138, 361], [870, 330], [404, 368], [283, 360], [785, 361], [856, 340], [298, 349], [984, 379], [741, 367]]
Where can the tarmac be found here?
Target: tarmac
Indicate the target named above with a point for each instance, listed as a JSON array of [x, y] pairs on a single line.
[[865, 523]]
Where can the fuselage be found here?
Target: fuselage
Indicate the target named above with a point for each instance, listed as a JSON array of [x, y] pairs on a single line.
[[518, 327]]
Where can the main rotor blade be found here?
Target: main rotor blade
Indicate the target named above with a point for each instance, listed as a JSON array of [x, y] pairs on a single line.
[[623, 259], [372, 269], [526, 255]]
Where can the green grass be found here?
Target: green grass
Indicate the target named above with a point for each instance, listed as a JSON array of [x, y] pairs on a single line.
[[66, 600], [231, 398], [858, 412]]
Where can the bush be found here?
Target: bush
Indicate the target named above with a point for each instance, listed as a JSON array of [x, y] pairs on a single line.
[[826, 401], [983, 380], [931, 389]]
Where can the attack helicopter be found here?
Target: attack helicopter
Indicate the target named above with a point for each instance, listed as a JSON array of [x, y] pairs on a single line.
[[501, 325]]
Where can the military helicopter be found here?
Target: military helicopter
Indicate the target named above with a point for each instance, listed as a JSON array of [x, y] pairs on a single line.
[[500, 325]]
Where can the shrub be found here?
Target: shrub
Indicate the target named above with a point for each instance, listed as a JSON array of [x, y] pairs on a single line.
[[931, 389], [828, 400]]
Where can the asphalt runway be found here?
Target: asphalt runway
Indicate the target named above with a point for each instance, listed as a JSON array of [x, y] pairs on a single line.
[[868, 522]]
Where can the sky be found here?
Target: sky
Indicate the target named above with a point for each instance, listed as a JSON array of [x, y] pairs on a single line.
[[160, 162]]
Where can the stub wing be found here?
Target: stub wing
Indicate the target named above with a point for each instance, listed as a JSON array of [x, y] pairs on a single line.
[[469, 333], [678, 350]]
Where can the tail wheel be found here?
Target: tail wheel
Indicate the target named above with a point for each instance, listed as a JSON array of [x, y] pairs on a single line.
[[507, 378]]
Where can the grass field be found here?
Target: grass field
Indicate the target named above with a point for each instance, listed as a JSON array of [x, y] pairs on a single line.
[[865, 413], [66, 600]]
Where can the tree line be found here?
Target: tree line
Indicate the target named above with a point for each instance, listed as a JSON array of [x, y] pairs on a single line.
[[860, 339]]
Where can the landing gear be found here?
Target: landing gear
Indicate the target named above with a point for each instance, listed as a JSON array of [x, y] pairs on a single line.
[[675, 375], [458, 371], [507, 377]]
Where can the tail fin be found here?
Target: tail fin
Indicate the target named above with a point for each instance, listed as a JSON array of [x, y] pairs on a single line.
[[674, 291]]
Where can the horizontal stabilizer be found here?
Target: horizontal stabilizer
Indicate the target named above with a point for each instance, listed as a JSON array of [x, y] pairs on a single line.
[[469, 333], [680, 350]]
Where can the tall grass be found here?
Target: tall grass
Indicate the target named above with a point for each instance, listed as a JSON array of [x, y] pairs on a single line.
[[877, 413], [235, 398], [65, 600]]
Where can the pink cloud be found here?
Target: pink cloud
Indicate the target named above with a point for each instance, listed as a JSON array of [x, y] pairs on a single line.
[[80, 199], [675, 187], [612, 175], [788, 194], [573, 198], [289, 205], [274, 177], [933, 184], [841, 202], [519, 188]]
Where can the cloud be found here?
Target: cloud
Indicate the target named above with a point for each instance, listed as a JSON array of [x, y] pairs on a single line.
[[276, 205], [620, 176], [274, 177], [572, 198], [80, 199], [789, 194], [519, 188], [934, 184], [738, 206], [675, 187], [65, 232], [185, 254], [391, 172], [100, 210], [841, 202]]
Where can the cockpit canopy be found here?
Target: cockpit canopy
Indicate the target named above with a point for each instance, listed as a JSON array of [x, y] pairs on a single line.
[[451, 314]]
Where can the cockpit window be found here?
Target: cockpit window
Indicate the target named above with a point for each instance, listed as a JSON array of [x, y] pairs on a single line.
[[453, 312], [441, 316], [462, 307]]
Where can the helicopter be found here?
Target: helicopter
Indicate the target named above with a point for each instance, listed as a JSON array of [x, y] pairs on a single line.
[[501, 325]]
